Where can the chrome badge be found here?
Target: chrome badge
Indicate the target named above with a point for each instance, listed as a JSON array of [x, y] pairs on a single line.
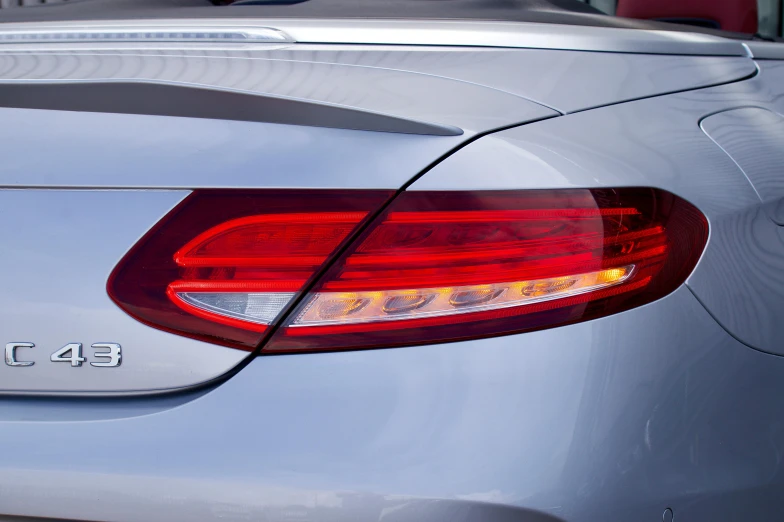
[[107, 355]]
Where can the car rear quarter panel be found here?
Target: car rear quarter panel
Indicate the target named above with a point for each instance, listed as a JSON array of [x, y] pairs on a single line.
[[659, 143]]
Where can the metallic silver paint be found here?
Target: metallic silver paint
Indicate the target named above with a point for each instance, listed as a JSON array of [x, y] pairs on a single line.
[[444, 32], [408, 95], [357, 76], [501, 34], [567, 81], [658, 142], [748, 295], [65, 245], [612, 420], [93, 150], [754, 139], [765, 50], [148, 151]]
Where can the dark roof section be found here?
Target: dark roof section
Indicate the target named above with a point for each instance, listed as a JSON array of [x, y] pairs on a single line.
[[568, 12]]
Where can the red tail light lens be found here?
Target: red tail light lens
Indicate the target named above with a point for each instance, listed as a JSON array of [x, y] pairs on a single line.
[[433, 267], [223, 265], [444, 266]]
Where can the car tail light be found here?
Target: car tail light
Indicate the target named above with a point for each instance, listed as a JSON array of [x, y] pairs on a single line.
[[444, 266], [432, 267], [224, 264]]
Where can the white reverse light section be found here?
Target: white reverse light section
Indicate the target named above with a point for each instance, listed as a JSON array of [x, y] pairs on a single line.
[[259, 308], [334, 308]]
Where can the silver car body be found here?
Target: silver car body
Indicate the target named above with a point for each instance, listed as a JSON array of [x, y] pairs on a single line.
[[674, 404]]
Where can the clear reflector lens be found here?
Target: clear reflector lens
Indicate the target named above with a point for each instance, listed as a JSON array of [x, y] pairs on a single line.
[[255, 308], [333, 308]]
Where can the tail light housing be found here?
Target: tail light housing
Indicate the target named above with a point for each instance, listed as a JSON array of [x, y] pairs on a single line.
[[432, 267]]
